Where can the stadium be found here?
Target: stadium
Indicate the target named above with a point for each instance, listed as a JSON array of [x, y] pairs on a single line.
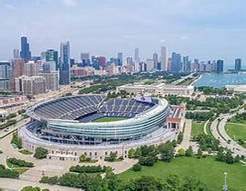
[[94, 125]]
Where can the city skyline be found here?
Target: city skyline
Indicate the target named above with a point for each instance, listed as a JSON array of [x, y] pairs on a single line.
[[210, 30]]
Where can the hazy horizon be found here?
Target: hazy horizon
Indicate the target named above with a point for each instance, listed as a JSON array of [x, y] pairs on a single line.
[[203, 29]]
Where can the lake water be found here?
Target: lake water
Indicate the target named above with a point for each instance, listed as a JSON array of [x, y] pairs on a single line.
[[220, 80]]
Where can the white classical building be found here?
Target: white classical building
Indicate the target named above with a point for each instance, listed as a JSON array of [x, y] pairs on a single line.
[[157, 89]]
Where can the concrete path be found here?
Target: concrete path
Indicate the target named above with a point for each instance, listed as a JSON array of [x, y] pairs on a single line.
[[187, 135], [16, 185], [205, 127]]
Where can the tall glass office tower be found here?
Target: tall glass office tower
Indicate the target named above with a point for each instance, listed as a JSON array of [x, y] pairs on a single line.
[[25, 49], [65, 77]]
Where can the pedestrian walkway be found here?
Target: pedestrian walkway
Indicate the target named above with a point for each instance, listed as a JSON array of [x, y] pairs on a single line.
[[187, 135]]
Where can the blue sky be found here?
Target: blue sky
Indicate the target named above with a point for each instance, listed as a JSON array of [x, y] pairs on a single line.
[[204, 29]]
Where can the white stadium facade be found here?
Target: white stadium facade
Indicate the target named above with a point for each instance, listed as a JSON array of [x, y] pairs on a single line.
[[67, 126]]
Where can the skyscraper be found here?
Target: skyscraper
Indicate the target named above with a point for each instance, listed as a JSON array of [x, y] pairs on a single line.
[[5, 75], [136, 57], [85, 59], [238, 65], [65, 77], [219, 66], [164, 58], [155, 58], [102, 62], [25, 49], [176, 63], [120, 58], [16, 53], [186, 64], [52, 55]]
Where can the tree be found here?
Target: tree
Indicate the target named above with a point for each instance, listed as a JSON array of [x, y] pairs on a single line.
[[40, 153], [112, 157], [220, 155], [229, 158], [199, 153], [137, 153], [16, 141], [180, 137], [147, 183], [131, 153], [191, 184], [189, 152], [172, 183], [136, 167], [82, 158], [167, 151], [113, 182], [147, 161]]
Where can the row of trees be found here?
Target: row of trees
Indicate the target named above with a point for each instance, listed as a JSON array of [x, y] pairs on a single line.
[[207, 90], [216, 105], [176, 100], [112, 183], [19, 162], [199, 116], [225, 155], [148, 155], [88, 169], [238, 118], [207, 142]]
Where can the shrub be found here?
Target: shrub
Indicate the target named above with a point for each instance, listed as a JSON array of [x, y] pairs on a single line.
[[82, 158], [136, 167], [40, 153], [147, 161], [16, 141], [181, 152], [112, 157], [189, 152], [49, 180], [30, 188], [7, 173], [180, 137], [20, 163], [88, 169]]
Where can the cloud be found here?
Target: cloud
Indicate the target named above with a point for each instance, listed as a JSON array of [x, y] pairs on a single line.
[[70, 3]]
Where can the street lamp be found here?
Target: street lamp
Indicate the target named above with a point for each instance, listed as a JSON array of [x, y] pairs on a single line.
[[225, 187]]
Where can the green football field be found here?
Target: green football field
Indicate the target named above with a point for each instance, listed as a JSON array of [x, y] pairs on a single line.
[[207, 170], [109, 119]]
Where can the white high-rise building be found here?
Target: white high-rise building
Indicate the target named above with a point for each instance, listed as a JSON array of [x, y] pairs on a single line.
[[31, 69], [164, 58], [150, 65], [136, 57], [51, 79], [33, 85]]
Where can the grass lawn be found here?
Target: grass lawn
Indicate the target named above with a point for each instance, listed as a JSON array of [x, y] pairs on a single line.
[[108, 119], [208, 128], [20, 170], [25, 152], [197, 128], [207, 170], [236, 131]]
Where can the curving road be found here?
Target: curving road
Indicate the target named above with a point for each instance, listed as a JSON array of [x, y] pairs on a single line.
[[219, 132]]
